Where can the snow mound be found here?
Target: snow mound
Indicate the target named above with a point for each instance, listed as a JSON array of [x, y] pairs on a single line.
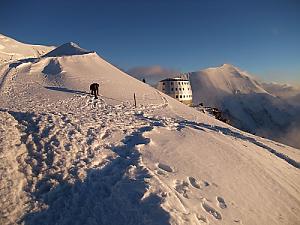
[[67, 49]]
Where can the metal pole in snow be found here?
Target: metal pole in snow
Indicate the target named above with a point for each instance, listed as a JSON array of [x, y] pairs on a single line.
[[134, 100]]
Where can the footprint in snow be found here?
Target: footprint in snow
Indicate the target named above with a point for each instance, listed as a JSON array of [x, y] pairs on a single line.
[[211, 211], [194, 182], [182, 187], [165, 167], [197, 184], [221, 203]]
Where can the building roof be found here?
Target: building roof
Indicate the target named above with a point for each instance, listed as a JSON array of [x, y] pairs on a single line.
[[174, 79]]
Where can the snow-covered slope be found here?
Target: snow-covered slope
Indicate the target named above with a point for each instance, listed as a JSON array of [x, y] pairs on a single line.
[[244, 102], [11, 49], [212, 84], [67, 158]]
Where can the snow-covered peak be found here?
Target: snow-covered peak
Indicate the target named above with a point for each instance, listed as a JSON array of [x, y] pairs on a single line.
[[223, 66], [226, 65], [67, 49], [224, 80], [227, 68]]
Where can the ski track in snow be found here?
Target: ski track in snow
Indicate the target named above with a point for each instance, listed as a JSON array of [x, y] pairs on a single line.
[[76, 163]]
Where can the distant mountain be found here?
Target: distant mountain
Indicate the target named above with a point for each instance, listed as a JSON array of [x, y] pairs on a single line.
[[213, 84], [244, 102], [11, 49], [152, 74]]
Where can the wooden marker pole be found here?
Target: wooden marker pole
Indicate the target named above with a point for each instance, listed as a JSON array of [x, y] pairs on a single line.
[[134, 100]]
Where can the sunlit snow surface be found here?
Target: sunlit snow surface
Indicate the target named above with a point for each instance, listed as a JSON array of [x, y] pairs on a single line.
[[67, 158], [11, 49]]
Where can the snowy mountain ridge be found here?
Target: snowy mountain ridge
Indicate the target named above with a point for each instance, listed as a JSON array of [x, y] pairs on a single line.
[[11, 49], [66, 157]]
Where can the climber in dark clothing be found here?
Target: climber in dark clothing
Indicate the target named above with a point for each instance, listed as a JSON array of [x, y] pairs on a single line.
[[94, 87]]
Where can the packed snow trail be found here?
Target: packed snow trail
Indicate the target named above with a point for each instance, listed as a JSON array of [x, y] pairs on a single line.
[[68, 153]]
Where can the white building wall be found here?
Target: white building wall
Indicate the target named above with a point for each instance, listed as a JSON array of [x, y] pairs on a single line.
[[177, 88]]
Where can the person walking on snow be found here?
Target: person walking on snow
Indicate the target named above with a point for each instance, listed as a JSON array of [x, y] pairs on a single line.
[[94, 88]]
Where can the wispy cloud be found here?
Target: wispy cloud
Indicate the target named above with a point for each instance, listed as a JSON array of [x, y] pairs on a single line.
[[152, 74]]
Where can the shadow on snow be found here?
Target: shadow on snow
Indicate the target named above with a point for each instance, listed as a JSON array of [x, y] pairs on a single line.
[[63, 89], [106, 196]]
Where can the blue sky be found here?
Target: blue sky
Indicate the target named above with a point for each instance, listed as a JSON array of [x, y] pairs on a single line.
[[262, 37]]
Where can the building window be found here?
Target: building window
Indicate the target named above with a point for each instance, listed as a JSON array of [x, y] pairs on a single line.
[[183, 89], [179, 89], [176, 89], [163, 83], [171, 83], [163, 89], [172, 89], [180, 96], [176, 96]]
